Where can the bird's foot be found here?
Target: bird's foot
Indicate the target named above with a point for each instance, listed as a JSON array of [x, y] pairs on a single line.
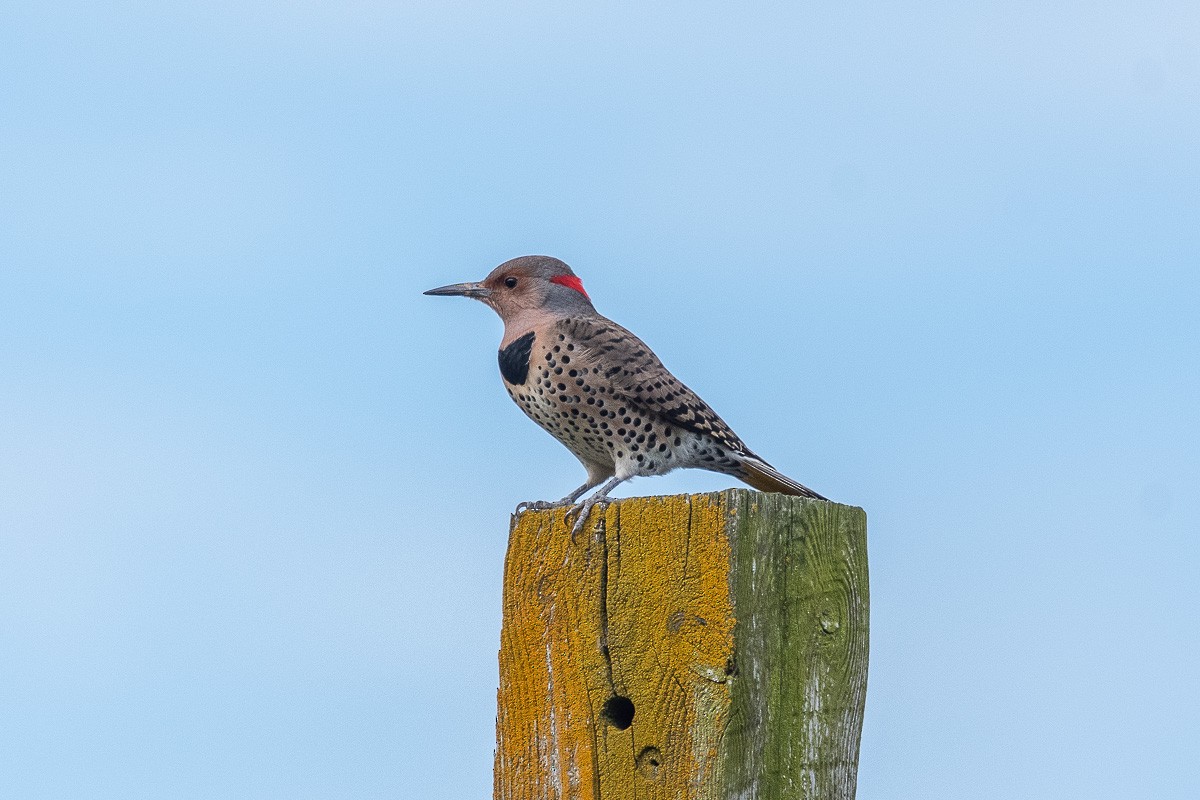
[[542, 505], [532, 505], [583, 510]]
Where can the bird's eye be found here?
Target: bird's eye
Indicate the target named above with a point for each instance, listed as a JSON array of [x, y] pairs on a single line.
[[510, 282]]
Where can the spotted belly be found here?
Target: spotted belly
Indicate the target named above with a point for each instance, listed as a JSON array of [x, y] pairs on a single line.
[[556, 396], [573, 402]]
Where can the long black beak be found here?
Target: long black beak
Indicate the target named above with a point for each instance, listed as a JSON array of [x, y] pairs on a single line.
[[476, 290]]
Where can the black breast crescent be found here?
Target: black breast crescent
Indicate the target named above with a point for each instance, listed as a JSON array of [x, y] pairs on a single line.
[[514, 360]]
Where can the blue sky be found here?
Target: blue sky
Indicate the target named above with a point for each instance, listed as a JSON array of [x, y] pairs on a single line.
[[937, 260]]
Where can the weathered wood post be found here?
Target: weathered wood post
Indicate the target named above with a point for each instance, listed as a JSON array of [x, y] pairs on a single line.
[[706, 646]]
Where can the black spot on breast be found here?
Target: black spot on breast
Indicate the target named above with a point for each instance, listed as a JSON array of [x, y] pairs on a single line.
[[514, 360]]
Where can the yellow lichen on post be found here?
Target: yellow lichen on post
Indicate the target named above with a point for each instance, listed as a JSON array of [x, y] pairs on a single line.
[[631, 622], [669, 632]]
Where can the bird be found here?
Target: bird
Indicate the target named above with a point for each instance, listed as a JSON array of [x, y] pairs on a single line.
[[601, 391]]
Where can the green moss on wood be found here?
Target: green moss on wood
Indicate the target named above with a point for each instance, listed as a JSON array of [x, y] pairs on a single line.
[[799, 586]]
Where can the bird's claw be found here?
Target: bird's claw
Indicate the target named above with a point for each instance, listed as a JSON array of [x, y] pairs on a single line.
[[540, 505], [533, 505], [582, 511]]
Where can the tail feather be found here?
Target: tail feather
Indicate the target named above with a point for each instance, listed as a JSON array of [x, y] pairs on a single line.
[[764, 477]]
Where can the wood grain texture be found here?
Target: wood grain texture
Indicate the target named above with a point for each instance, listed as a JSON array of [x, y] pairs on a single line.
[[706, 646]]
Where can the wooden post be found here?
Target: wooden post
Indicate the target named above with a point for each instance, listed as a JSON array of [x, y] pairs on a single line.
[[706, 646]]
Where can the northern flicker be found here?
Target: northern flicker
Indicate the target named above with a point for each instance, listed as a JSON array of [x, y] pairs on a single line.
[[600, 390]]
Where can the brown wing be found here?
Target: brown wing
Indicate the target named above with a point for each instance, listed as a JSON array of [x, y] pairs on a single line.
[[622, 363]]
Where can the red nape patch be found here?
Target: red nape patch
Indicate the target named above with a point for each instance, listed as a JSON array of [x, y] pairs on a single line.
[[571, 282]]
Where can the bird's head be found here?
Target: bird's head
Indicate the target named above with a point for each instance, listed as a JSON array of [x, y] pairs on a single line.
[[526, 286]]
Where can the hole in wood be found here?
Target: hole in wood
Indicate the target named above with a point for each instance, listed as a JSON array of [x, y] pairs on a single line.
[[618, 711], [648, 762]]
